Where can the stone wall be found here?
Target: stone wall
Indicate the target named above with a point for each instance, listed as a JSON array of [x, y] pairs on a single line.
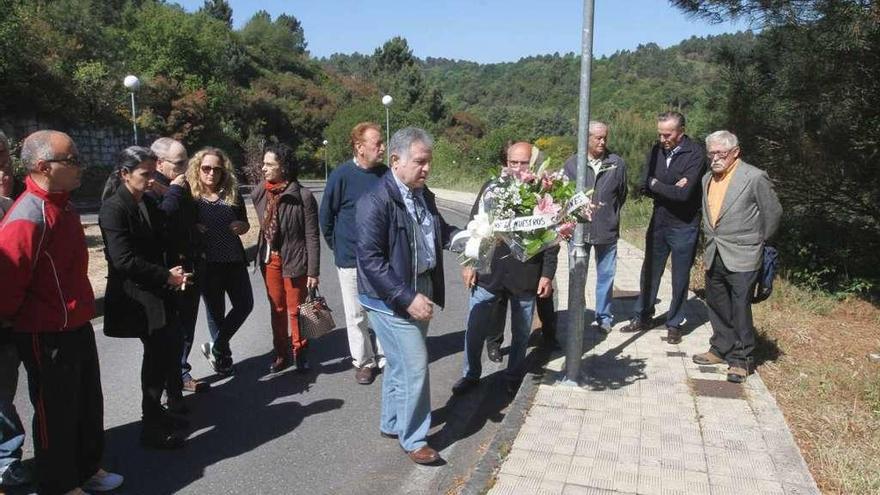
[[97, 146]]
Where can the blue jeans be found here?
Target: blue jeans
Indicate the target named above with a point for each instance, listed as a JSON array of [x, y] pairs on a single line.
[[484, 315], [219, 280], [11, 429], [681, 243], [406, 393], [606, 264]]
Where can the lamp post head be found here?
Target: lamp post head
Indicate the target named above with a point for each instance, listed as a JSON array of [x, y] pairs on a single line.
[[326, 142], [132, 83], [386, 100]]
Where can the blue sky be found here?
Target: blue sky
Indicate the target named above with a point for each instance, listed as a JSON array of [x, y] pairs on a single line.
[[479, 30]]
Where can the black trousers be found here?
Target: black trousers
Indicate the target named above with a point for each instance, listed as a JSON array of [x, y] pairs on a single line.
[[64, 381], [728, 295], [160, 369], [546, 313]]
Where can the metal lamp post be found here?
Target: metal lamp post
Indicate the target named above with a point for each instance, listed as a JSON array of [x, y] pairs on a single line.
[[578, 256], [133, 84], [325, 161], [387, 100]]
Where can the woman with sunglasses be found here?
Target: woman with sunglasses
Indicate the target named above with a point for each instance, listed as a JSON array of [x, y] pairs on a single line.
[[222, 218], [288, 251], [139, 301]]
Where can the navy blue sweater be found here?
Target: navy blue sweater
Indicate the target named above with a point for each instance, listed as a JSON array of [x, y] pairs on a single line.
[[345, 186]]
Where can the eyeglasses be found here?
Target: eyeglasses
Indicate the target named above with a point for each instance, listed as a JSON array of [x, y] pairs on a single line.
[[208, 170], [72, 161], [720, 154]]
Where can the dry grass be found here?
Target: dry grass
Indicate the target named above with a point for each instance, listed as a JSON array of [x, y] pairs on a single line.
[[812, 351]]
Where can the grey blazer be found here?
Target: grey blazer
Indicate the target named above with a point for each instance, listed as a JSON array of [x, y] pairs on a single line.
[[749, 216]]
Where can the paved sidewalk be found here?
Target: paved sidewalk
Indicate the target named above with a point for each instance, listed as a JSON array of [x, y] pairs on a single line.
[[646, 420]]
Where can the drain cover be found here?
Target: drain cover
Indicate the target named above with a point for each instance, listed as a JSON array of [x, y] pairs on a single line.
[[675, 354], [717, 388]]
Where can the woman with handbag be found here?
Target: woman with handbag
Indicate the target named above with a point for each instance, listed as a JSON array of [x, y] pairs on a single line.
[[138, 301], [288, 251], [222, 218]]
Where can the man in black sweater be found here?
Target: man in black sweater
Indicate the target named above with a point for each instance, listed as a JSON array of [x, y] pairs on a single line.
[[511, 281], [672, 179]]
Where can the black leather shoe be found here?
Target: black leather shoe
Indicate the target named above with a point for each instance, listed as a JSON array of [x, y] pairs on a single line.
[[494, 353], [464, 385], [154, 436], [673, 335]]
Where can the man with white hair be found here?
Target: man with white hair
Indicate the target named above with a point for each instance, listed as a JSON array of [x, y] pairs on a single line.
[[741, 213], [400, 279], [173, 196], [606, 177], [49, 301]]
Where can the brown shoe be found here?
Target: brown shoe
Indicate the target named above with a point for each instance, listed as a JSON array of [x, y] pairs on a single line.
[[424, 455], [707, 358], [195, 386], [736, 374], [673, 336], [636, 325], [365, 375]]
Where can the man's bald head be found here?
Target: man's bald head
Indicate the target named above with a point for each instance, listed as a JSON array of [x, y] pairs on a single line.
[[42, 145], [519, 155]]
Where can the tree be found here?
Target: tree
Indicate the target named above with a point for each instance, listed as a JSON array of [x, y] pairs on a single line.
[[814, 123], [220, 10]]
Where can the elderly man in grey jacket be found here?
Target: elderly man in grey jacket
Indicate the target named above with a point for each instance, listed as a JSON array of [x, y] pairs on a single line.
[[741, 211]]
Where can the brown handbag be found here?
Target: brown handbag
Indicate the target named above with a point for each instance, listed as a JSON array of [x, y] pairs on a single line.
[[315, 317]]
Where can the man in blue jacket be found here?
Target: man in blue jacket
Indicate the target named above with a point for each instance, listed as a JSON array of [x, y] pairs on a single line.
[[400, 279], [672, 179], [348, 182]]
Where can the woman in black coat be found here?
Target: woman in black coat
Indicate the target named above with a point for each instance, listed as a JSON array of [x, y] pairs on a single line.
[[137, 302]]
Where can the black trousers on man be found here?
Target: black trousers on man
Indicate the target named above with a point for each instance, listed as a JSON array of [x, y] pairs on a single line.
[[729, 297], [64, 381]]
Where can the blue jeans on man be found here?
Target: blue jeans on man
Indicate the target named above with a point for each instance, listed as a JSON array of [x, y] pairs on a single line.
[[11, 429], [681, 244], [606, 264], [484, 315], [406, 392]]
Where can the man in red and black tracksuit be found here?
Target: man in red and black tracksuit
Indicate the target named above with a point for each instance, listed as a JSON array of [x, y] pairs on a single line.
[[49, 301]]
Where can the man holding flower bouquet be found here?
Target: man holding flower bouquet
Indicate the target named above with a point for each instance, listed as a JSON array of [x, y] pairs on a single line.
[[509, 280]]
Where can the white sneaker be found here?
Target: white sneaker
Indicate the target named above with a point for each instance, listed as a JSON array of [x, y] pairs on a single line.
[[102, 481]]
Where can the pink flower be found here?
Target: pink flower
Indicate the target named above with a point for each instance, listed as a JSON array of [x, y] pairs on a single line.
[[546, 206], [546, 183], [566, 230]]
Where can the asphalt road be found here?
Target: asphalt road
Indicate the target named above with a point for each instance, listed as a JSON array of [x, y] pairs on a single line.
[[291, 433]]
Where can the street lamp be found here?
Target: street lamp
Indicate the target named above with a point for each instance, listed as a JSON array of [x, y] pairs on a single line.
[[386, 100], [133, 84], [325, 161]]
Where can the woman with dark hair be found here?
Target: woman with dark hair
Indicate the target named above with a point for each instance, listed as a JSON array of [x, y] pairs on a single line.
[[138, 301], [288, 251], [222, 219]]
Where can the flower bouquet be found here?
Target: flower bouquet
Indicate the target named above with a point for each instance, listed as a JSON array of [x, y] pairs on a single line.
[[528, 211]]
